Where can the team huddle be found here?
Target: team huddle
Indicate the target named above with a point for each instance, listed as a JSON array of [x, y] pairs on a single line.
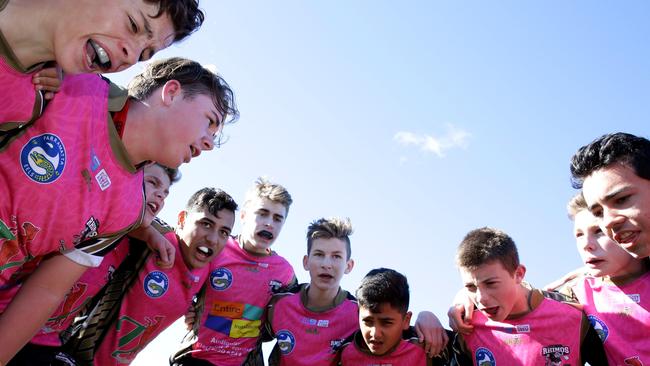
[[89, 275]]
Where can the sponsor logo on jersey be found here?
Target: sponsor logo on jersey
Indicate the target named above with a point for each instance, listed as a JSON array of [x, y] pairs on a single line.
[[221, 279], [633, 361], [635, 297], [275, 285], [556, 354], [286, 341], [484, 357], [43, 158], [94, 160], [90, 231], [523, 328], [156, 284], [103, 179], [599, 326]]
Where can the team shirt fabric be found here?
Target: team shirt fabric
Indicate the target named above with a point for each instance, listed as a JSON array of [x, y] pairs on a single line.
[[90, 283], [66, 182], [311, 336], [548, 335], [406, 353], [152, 303], [240, 287], [620, 314], [20, 102]]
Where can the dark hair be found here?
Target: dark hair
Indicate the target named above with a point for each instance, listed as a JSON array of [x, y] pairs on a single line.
[[173, 174], [194, 79], [620, 147], [383, 286], [184, 14], [484, 245], [333, 227], [213, 199]]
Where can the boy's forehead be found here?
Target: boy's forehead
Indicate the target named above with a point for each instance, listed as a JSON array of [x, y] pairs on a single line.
[[329, 245], [483, 271], [262, 203], [385, 310]]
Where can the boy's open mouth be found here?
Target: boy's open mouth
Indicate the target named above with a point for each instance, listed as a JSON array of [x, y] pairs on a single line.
[[265, 234], [97, 55], [207, 252]]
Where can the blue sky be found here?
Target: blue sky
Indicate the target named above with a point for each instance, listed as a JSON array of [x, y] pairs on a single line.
[[420, 121]]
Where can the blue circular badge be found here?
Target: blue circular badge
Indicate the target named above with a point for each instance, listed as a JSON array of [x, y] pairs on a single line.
[[221, 279], [156, 284], [484, 357], [286, 341], [600, 327], [43, 158]]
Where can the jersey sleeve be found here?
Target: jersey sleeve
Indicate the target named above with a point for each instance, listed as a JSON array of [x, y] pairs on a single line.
[[90, 252]]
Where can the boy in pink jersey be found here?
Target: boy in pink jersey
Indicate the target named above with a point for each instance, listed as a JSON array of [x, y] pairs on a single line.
[[385, 336], [515, 324], [615, 291], [332, 312], [242, 280], [77, 187], [158, 297], [46, 344], [87, 36], [311, 324], [613, 172]]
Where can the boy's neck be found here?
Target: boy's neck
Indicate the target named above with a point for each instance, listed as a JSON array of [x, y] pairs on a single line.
[[320, 299], [249, 248], [31, 45], [134, 135], [631, 272], [524, 303]]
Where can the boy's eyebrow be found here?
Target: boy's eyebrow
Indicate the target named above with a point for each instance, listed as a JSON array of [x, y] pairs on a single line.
[[608, 197]]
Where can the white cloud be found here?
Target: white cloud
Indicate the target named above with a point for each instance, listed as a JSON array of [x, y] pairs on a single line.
[[453, 138]]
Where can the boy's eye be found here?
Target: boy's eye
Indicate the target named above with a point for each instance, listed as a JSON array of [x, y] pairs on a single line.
[[134, 25], [621, 200], [470, 288], [146, 54]]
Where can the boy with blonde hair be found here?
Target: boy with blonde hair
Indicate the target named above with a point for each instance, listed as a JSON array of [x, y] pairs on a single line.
[[242, 280], [614, 291]]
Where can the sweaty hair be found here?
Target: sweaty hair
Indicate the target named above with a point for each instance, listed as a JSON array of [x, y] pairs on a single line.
[[173, 174], [576, 205], [609, 149], [213, 199], [383, 286], [334, 227], [184, 14], [271, 191], [484, 245], [194, 79]]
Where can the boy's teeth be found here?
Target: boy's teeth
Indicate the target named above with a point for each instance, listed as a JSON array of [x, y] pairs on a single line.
[[204, 250], [100, 55]]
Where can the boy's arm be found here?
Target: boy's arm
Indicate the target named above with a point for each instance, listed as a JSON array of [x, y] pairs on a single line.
[[557, 284], [35, 302], [157, 243], [460, 313], [431, 333], [591, 347]]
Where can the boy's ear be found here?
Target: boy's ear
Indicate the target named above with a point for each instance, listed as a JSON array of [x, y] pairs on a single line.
[[407, 320], [181, 219], [348, 266], [171, 90], [305, 259], [520, 272]]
